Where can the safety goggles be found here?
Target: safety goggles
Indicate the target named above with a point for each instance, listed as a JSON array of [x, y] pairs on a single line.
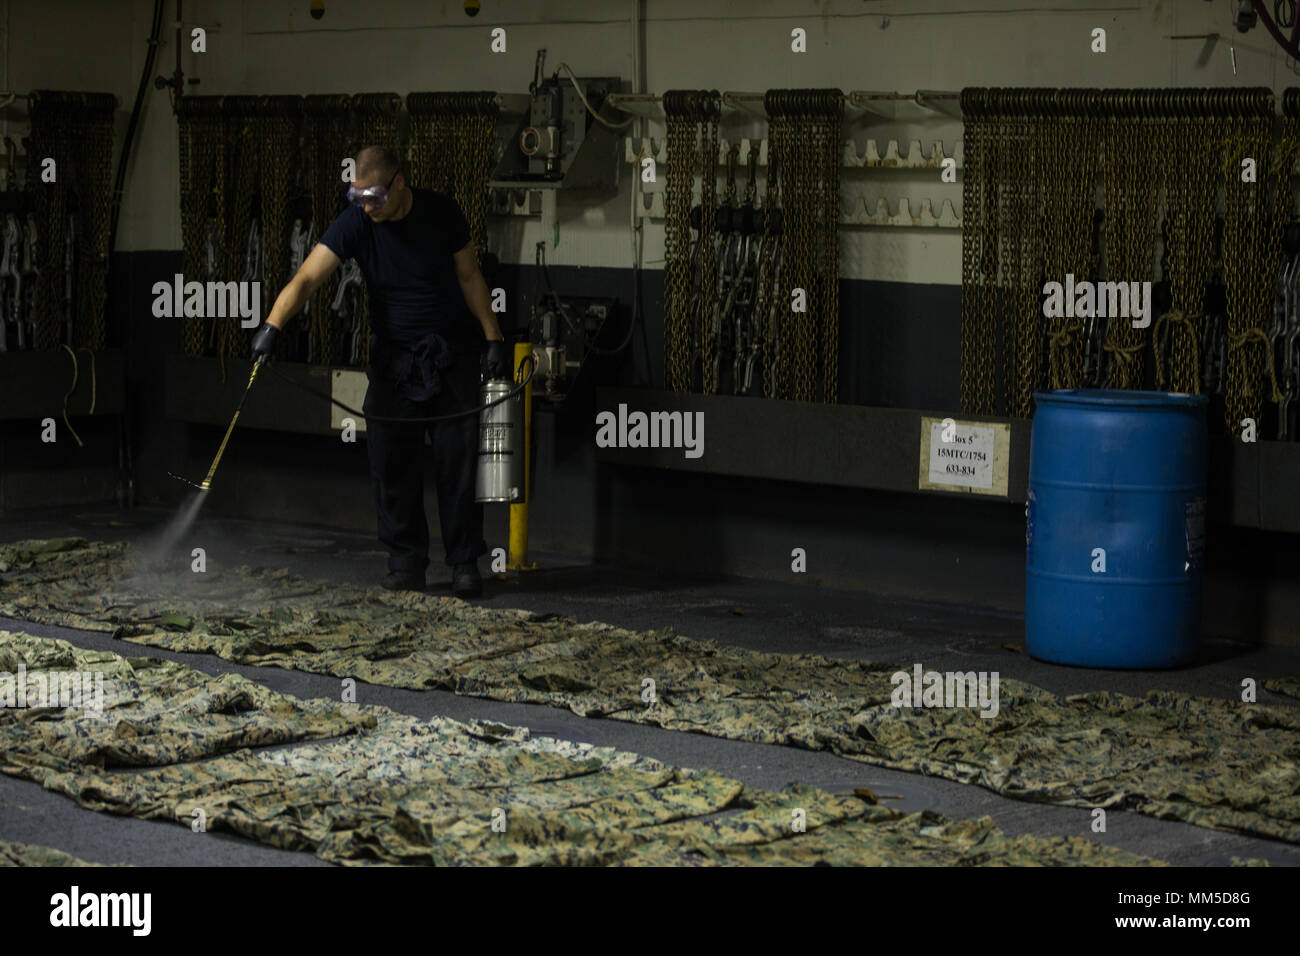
[[371, 195]]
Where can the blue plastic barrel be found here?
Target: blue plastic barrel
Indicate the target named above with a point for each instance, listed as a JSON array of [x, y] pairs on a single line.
[[1115, 528]]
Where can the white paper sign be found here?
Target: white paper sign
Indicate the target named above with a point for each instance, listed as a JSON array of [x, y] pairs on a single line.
[[966, 459], [349, 387]]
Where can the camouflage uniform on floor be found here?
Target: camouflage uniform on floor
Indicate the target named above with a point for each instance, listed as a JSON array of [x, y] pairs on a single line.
[[390, 788], [1220, 764]]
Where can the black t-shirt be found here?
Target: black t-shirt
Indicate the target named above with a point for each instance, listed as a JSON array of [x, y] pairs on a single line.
[[409, 270]]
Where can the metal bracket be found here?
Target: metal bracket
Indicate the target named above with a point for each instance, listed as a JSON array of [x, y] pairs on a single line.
[[916, 158], [856, 210]]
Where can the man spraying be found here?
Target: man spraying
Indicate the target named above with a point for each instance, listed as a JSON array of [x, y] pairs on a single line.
[[421, 269]]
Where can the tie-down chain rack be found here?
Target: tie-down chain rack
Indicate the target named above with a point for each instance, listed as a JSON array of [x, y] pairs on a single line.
[[856, 206]]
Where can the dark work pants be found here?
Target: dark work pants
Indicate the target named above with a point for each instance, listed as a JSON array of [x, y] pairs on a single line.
[[397, 455]]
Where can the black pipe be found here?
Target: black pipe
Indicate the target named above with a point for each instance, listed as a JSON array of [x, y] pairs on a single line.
[[1288, 46], [120, 182], [126, 467], [180, 29]]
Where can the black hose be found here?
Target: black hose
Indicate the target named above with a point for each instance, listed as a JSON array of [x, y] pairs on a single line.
[[120, 182], [631, 328], [564, 311], [532, 367], [544, 272]]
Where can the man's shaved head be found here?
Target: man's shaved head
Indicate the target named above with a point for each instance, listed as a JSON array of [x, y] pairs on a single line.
[[376, 162]]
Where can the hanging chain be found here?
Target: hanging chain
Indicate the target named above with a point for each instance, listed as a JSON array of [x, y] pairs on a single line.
[[1057, 154], [830, 209], [1252, 232], [974, 236], [1122, 182], [681, 158], [1240, 249], [804, 149], [1014, 226], [1170, 359], [76, 131], [766, 285], [1191, 164], [326, 130], [1091, 238], [691, 269], [460, 155], [1205, 146], [729, 191], [1282, 203], [418, 157], [1056, 191], [234, 150], [773, 225], [186, 152], [785, 133], [218, 213], [800, 150], [987, 347], [707, 335], [1027, 199], [204, 173], [1027, 215], [1151, 155], [482, 139], [243, 154], [278, 133], [94, 211], [994, 343], [452, 150], [444, 150], [51, 119], [188, 137], [200, 127], [985, 344], [1272, 210], [375, 118]]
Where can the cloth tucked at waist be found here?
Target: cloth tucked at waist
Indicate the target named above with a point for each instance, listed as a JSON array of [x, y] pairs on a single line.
[[416, 366]]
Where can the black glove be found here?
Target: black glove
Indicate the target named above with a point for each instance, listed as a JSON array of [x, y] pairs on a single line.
[[497, 363], [264, 342]]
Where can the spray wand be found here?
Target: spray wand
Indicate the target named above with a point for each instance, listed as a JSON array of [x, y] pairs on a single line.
[[207, 482]]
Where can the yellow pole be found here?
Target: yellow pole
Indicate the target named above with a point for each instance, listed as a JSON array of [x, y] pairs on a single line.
[[518, 560]]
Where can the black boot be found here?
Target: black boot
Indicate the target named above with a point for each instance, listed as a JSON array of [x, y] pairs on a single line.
[[465, 581], [404, 581]]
